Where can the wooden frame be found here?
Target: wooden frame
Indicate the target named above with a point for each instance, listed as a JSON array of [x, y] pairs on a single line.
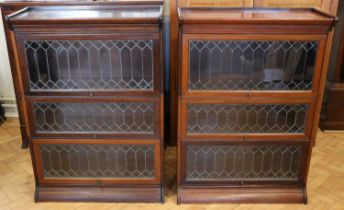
[[217, 27], [129, 190]]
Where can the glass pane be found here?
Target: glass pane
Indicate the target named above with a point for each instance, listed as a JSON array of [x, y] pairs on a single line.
[[97, 161], [243, 162], [251, 65], [90, 64], [234, 118], [126, 117]]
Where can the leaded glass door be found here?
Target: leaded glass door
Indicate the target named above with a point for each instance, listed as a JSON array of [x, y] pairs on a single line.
[[256, 64], [99, 117], [235, 163], [97, 63], [100, 161]]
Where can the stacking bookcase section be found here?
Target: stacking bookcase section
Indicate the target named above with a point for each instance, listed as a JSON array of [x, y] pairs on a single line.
[[125, 161], [93, 83], [250, 91], [125, 117]]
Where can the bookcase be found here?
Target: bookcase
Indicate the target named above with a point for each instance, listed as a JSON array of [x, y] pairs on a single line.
[[250, 91], [92, 84]]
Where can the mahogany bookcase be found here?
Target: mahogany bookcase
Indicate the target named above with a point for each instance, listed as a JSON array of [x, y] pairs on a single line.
[[91, 79], [251, 84]]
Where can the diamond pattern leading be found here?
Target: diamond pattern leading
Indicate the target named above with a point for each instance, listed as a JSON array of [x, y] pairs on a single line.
[[97, 161], [243, 162], [251, 65], [218, 118], [126, 117], [90, 64]]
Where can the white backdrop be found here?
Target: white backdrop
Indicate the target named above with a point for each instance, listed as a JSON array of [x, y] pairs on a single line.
[[7, 95]]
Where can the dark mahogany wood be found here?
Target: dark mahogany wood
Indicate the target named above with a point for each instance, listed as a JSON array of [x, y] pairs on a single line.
[[87, 14], [99, 194], [105, 129], [199, 194], [271, 16], [223, 146]]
